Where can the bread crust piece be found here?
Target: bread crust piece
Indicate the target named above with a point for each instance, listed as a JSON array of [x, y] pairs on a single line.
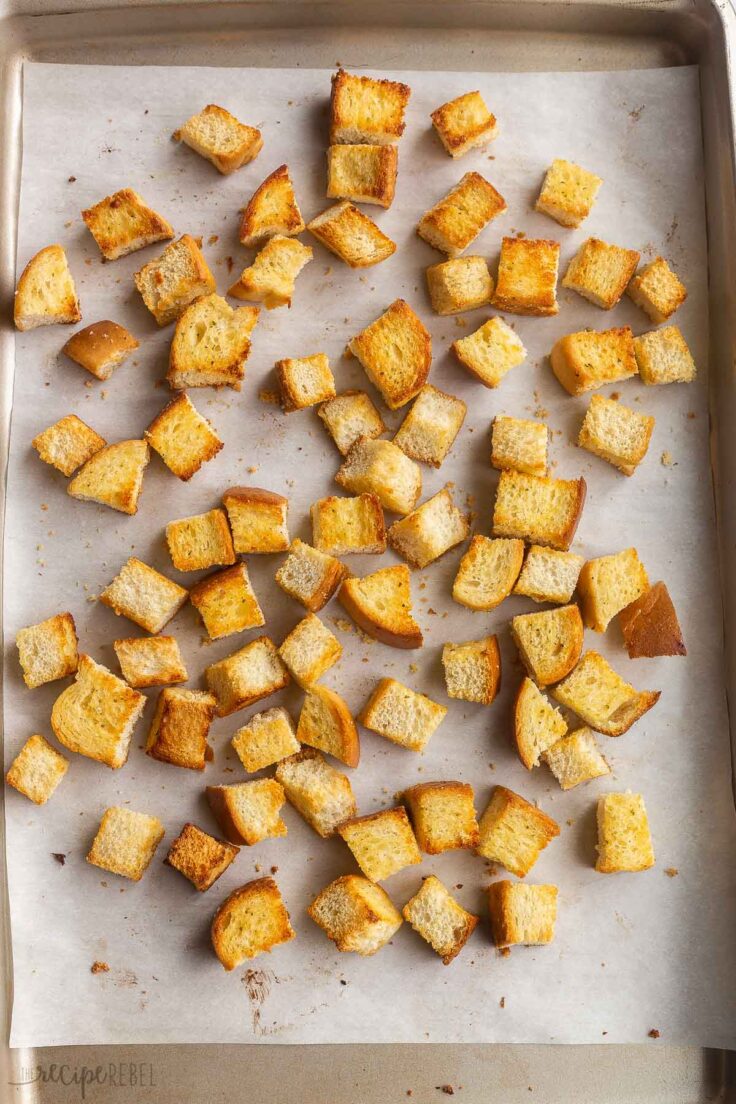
[[429, 430], [601, 698], [350, 416], [47, 651], [607, 584], [657, 290], [122, 223], [538, 509], [601, 272], [200, 541], [67, 444], [262, 904], [170, 283], [270, 279], [616, 433], [362, 173], [473, 670], [257, 519], [380, 604], [396, 353], [211, 344], [435, 915], [382, 843], [113, 476], [588, 359], [513, 832], [548, 575], [523, 914], [318, 791], [309, 576], [568, 193], [347, 526], [356, 914], [248, 812], [327, 724], [126, 842], [37, 770], [271, 210], [304, 381], [527, 276], [150, 661], [381, 468], [550, 642], [490, 352], [464, 123], [351, 235], [443, 816], [96, 715], [366, 109], [219, 137], [650, 627], [179, 728], [100, 348], [459, 284], [487, 572], [265, 739], [519, 444], [246, 676], [429, 531], [663, 357], [46, 294], [402, 715], [183, 438], [200, 857], [457, 220], [537, 724], [227, 603], [143, 595]]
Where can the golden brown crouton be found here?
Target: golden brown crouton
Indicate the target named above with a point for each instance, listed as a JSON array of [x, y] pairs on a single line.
[[527, 276], [429, 531], [100, 348], [143, 595], [175, 279], [219, 137], [150, 661], [366, 109], [267, 738], [310, 576], [490, 352], [126, 842], [624, 840], [270, 279], [356, 914], [227, 603], [443, 816], [96, 715], [548, 575], [523, 914], [460, 284], [616, 433], [200, 541], [518, 444], [396, 353], [37, 770], [253, 919], [319, 792], [200, 857], [588, 359], [67, 444], [113, 476], [342, 526], [46, 294], [350, 415], [211, 344], [179, 728], [435, 914], [568, 193], [664, 357], [271, 210], [538, 509], [246, 676], [382, 843], [601, 272], [550, 642], [363, 173], [381, 468], [457, 220], [248, 812], [351, 235], [657, 290], [513, 832], [537, 724], [601, 698], [380, 604], [575, 759], [609, 583], [326, 723], [650, 627], [487, 572], [304, 381], [429, 430], [473, 670], [257, 519], [183, 438], [122, 223], [402, 715], [464, 123]]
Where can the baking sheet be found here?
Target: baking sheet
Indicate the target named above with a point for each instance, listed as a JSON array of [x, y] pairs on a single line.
[[633, 953]]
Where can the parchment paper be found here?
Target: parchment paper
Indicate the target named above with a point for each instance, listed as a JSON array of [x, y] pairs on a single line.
[[632, 953]]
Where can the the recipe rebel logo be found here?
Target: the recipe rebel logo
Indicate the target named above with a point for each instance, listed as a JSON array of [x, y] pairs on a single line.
[[110, 1075]]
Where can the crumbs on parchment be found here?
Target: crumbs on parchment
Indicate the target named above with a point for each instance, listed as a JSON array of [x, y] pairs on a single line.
[[59, 856], [654, 1033], [99, 968]]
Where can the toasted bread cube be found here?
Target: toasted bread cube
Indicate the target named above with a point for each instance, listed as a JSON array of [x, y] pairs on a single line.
[[402, 715], [211, 344], [538, 509], [100, 348], [363, 173], [227, 603], [179, 728], [321, 793], [150, 661], [657, 290], [430, 531], [537, 724], [96, 715], [382, 843], [270, 279], [246, 676], [616, 433], [126, 842], [601, 272], [522, 914], [183, 438], [248, 812], [601, 698], [113, 476], [568, 193], [575, 759], [266, 739], [257, 519], [271, 210], [349, 416], [609, 583], [37, 770], [464, 123], [175, 279], [548, 575], [443, 816], [252, 920], [381, 468], [143, 595], [550, 642], [428, 431], [459, 285], [518, 444], [366, 109], [457, 220], [527, 276], [305, 381], [473, 670], [351, 235], [326, 723], [200, 857], [342, 526], [122, 223], [513, 832], [380, 604], [663, 357], [588, 359], [48, 651], [487, 572], [356, 914], [396, 353], [309, 576], [309, 651], [200, 541], [490, 352], [219, 137], [435, 914], [624, 840], [46, 295], [650, 627]]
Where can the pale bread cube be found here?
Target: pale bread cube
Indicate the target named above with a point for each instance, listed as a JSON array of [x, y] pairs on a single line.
[[382, 843], [490, 352], [37, 770], [549, 642], [460, 284], [219, 137], [588, 359], [601, 272], [48, 650], [143, 595], [46, 295], [150, 661], [248, 812], [271, 278], [657, 290], [246, 676], [211, 344], [366, 109], [126, 842], [458, 218], [549, 575], [251, 921], [267, 738], [309, 651], [473, 670], [362, 173], [519, 444], [258, 520], [183, 438], [487, 572], [381, 605], [601, 698], [431, 530], [123, 223], [537, 724], [464, 123], [538, 509], [344, 526], [527, 276], [522, 914], [179, 728], [309, 576], [200, 857], [568, 193], [351, 235], [67, 444], [172, 281], [227, 603], [608, 584], [305, 381], [100, 348], [200, 541], [616, 433], [624, 838], [349, 416], [576, 759], [356, 914], [327, 724], [113, 476], [381, 468], [402, 715], [435, 914], [396, 353], [97, 714], [513, 832], [428, 431], [271, 210], [321, 793], [443, 816], [650, 627], [664, 357]]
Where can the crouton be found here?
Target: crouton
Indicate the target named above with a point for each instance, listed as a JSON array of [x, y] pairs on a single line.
[[179, 728], [48, 651], [175, 279], [309, 576], [538, 509], [46, 295], [380, 605], [522, 914], [37, 770], [219, 137], [568, 193], [609, 583], [126, 842], [428, 431], [318, 791], [272, 210], [537, 724], [252, 920], [248, 812], [490, 352], [624, 839], [513, 832], [382, 843], [326, 723], [548, 575], [487, 572], [309, 651], [305, 381], [601, 698], [588, 359], [464, 123], [518, 444], [435, 914], [663, 357], [257, 519], [601, 272], [457, 220], [227, 603], [349, 416], [183, 438], [527, 276], [200, 857], [356, 914], [96, 715], [402, 715], [550, 642], [576, 759], [150, 661], [113, 476], [366, 110], [396, 353], [443, 816], [431, 530], [342, 526], [122, 223], [657, 290], [460, 284], [616, 433], [362, 173], [381, 468], [270, 279], [200, 541], [473, 670], [100, 348], [650, 627], [266, 739], [246, 676], [351, 235], [143, 595], [211, 344]]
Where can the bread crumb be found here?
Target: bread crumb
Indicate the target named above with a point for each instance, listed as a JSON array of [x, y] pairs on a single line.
[[654, 1034], [505, 952], [99, 968], [253, 468], [461, 322], [413, 667], [213, 239], [446, 1089], [502, 1002], [667, 459], [59, 856], [672, 871], [615, 395], [270, 397]]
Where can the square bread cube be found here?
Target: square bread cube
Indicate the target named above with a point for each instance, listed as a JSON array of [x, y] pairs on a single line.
[[219, 137], [309, 576], [538, 509], [549, 642], [37, 770], [309, 651], [327, 724], [258, 520], [430, 531], [513, 832], [522, 914], [113, 476], [473, 670], [172, 281], [381, 468], [588, 359], [179, 728], [125, 842], [663, 357], [248, 812], [443, 816], [366, 109], [601, 272], [527, 276], [318, 791], [183, 438], [200, 857], [616, 433], [143, 595], [537, 724], [624, 839], [96, 715], [271, 278], [548, 575], [305, 381], [435, 914], [490, 352], [67, 444], [487, 572], [211, 344], [227, 603], [252, 920], [351, 235], [100, 348], [122, 223], [464, 123], [428, 431], [382, 843], [576, 759], [363, 173], [46, 295], [200, 541], [460, 284], [396, 353], [380, 604], [266, 739], [271, 210], [568, 193], [519, 444], [246, 676], [609, 583], [457, 220], [601, 698], [349, 416], [650, 627], [48, 651], [402, 715], [356, 914], [657, 290], [343, 526], [150, 661]]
